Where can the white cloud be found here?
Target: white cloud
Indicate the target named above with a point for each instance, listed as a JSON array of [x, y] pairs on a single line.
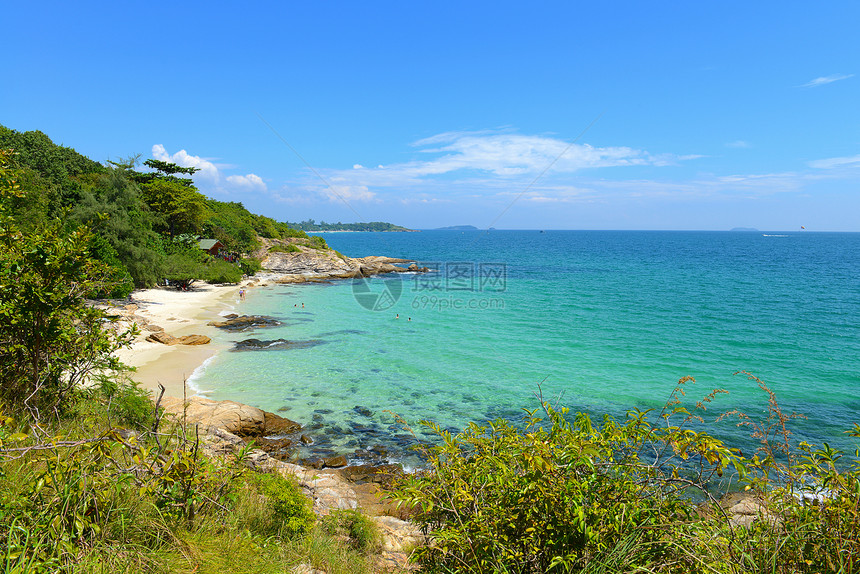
[[836, 162], [739, 144], [210, 178], [506, 158], [516, 154], [208, 171], [823, 80], [248, 182]]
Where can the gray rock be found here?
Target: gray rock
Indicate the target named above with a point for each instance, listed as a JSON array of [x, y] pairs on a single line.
[[245, 322]]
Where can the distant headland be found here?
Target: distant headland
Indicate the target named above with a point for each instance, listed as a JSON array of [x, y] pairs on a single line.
[[311, 225]]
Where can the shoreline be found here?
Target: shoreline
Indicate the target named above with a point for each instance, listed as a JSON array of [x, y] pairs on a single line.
[[179, 313]]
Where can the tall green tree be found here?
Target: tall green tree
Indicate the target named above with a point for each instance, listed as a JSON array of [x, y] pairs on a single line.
[[51, 340], [111, 205], [175, 198]]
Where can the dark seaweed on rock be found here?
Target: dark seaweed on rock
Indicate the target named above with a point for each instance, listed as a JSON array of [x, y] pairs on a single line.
[[274, 345], [343, 332], [245, 323]]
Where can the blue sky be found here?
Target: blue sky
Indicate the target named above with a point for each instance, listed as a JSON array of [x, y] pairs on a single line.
[[547, 115]]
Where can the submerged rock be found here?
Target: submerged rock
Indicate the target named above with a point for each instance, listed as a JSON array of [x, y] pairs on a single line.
[[384, 474], [245, 322], [363, 411], [274, 344]]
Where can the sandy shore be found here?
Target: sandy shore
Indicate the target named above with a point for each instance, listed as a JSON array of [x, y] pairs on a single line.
[[179, 313]]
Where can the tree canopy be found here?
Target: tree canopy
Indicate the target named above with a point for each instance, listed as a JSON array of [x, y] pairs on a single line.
[[136, 213]]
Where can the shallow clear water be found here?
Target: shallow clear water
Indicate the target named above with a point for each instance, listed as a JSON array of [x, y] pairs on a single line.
[[609, 321]]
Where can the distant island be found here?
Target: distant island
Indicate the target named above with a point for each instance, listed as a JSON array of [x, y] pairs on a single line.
[[743, 229], [312, 225], [457, 228]]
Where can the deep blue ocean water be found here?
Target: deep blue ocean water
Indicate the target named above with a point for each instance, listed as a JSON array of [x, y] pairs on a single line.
[[607, 321]]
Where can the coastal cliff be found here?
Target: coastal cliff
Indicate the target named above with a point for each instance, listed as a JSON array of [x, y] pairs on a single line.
[[296, 259]]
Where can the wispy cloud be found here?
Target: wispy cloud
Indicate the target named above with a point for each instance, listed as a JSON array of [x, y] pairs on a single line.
[[210, 178], [459, 161], [741, 144], [824, 80], [836, 162]]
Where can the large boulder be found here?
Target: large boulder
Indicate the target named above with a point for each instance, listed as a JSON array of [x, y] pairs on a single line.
[[195, 340], [167, 339], [275, 424], [163, 338], [233, 417]]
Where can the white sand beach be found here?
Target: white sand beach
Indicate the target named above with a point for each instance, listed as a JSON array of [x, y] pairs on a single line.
[[179, 313]]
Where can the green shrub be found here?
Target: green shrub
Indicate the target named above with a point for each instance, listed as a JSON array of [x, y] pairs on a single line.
[[250, 265], [317, 242], [554, 495], [125, 403], [290, 248], [361, 531], [220, 271], [279, 509]]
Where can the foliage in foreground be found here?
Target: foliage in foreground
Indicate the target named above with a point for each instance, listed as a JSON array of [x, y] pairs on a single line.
[[114, 492], [559, 496]]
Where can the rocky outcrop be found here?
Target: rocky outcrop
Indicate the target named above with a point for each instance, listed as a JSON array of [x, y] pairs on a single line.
[[316, 264], [274, 424], [229, 416], [329, 490]]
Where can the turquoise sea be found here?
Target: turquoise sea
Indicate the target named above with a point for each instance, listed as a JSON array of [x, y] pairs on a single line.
[[606, 320]]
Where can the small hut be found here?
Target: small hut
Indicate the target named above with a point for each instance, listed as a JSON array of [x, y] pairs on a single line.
[[211, 246]]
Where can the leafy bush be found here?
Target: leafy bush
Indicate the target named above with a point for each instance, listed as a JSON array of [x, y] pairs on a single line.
[[127, 404], [286, 511], [554, 495], [290, 248], [317, 242], [183, 265], [220, 271], [361, 531], [499, 499], [250, 265], [53, 341]]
